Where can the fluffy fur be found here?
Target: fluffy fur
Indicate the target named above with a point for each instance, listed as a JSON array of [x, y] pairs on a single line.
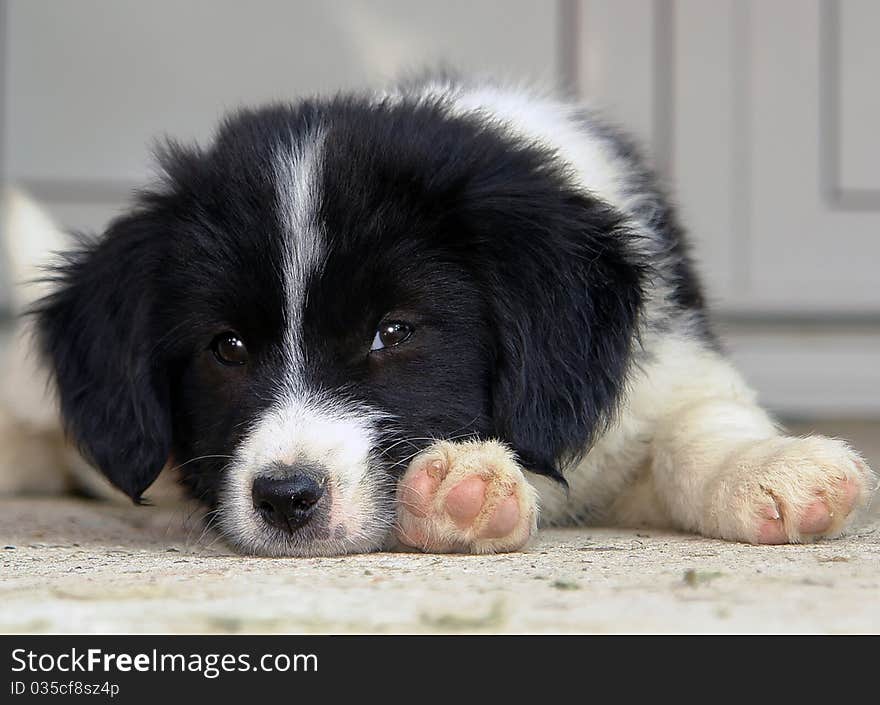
[[556, 320]]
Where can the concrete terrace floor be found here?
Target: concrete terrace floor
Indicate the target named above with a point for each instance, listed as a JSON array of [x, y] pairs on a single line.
[[69, 565]]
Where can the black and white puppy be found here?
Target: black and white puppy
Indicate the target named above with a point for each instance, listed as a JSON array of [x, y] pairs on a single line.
[[420, 315]]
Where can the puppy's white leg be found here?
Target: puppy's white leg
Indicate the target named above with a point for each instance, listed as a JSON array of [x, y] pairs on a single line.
[[32, 445], [35, 456], [721, 468], [30, 459], [468, 497]]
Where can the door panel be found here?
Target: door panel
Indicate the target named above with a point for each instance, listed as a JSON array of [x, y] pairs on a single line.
[[850, 31], [808, 251], [759, 92]]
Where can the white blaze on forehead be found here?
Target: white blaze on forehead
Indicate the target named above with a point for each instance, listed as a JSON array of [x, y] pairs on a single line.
[[305, 426], [298, 182]]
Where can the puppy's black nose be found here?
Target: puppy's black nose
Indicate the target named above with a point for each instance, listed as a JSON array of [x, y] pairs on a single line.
[[286, 503]]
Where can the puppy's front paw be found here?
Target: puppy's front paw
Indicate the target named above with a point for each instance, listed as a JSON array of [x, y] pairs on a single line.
[[790, 490], [466, 497]]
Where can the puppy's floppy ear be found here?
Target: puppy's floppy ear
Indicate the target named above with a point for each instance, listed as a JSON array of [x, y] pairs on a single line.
[[95, 331], [566, 292]]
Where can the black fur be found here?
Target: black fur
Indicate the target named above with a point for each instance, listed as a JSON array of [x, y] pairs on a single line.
[[114, 390], [525, 291]]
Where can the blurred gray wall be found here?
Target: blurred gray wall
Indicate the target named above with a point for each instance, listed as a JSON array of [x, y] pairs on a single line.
[[761, 116]]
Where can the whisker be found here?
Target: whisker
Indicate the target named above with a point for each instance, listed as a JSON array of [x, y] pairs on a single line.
[[211, 520], [193, 460]]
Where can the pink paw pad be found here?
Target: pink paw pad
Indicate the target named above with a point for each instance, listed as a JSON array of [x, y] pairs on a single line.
[[470, 497], [417, 491], [503, 521], [465, 504], [465, 501], [815, 519]]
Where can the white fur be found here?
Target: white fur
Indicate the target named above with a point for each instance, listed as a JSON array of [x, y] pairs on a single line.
[[690, 448], [568, 130], [297, 178], [305, 426], [553, 124], [423, 519], [537, 119], [33, 453], [686, 409], [35, 456], [31, 238], [315, 430]]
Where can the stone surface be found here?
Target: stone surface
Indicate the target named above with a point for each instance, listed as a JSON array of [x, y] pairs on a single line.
[[77, 566]]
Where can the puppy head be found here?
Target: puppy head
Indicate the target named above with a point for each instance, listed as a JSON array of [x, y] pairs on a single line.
[[301, 308]]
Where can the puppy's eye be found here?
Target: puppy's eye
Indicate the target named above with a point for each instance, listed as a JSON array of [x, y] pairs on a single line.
[[229, 349], [390, 334]]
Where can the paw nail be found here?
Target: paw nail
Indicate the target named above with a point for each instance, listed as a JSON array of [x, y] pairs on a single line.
[[771, 512]]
